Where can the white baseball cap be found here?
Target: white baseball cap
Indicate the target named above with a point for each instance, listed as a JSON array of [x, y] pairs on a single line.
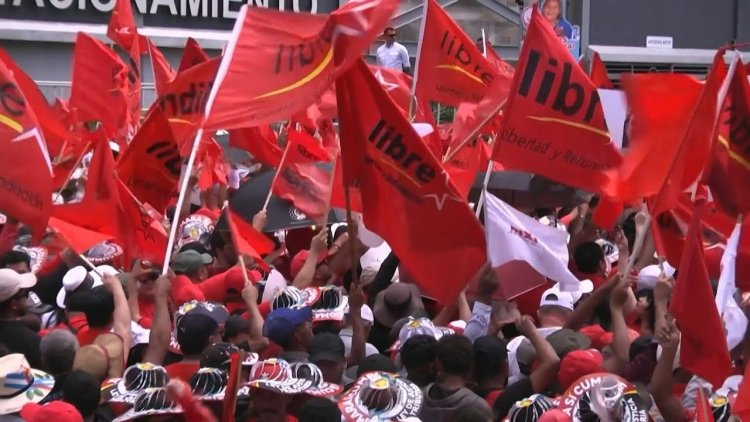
[[556, 297], [78, 279], [649, 275], [12, 282]]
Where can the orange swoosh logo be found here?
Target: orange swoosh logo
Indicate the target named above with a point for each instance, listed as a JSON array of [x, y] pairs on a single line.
[[393, 166], [181, 121], [459, 69], [572, 124], [733, 155], [310, 76], [7, 121]]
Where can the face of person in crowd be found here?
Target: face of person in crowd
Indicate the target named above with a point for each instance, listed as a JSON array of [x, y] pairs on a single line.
[[303, 334], [551, 11], [322, 274], [19, 303], [333, 372], [269, 406], [19, 267], [390, 36], [241, 340]]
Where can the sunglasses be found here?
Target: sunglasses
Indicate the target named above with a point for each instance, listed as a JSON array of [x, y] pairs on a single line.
[[390, 35]]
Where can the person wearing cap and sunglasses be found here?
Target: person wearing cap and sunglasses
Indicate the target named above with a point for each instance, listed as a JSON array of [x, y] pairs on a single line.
[[392, 54]]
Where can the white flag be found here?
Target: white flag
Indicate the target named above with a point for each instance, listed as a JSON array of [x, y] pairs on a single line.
[[514, 236], [735, 321]]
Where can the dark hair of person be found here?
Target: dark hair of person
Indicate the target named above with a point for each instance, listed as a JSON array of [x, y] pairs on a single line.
[[455, 354]]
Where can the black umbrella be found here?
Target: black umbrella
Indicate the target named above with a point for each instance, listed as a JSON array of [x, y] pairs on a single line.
[[249, 200]]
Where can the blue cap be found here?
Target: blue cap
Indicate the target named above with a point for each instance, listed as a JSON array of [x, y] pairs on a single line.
[[281, 323]]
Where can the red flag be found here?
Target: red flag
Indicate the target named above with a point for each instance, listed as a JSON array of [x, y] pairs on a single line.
[[55, 133], [150, 166], [741, 406], [123, 30], [78, 238], [695, 142], [25, 169], [497, 62], [396, 171], [277, 64], [338, 196], [554, 123], [703, 349], [464, 165], [607, 212], [598, 73], [163, 72], [210, 158], [396, 83], [184, 101], [730, 158], [192, 55], [301, 178], [450, 67], [100, 84], [148, 238], [673, 119], [261, 142], [247, 240], [703, 411]]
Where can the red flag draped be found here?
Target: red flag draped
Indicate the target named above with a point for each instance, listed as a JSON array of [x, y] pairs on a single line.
[[301, 178], [277, 64], [598, 73], [25, 170], [100, 85], [150, 166], [450, 69], [396, 171], [554, 123], [78, 238], [703, 348]]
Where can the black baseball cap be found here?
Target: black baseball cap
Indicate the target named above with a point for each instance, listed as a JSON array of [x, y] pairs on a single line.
[[327, 347], [376, 362], [218, 355]]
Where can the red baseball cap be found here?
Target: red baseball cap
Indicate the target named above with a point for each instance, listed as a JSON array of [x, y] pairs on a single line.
[[58, 411], [554, 415], [577, 364]]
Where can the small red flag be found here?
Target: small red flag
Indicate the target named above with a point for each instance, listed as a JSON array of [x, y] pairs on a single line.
[[554, 123], [192, 55], [78, 238], [301, 178], [123, 30], [163, 72], [396, 83], [277, 63], [451, 69], [741, 406], [148, 238], [100, 85], [25, 169], [396, 170], [703, 348], [607, 212], [338, 196], [464, 165], [150, 166], [247, 240], [497, 62], [261, 142], [598, 73]]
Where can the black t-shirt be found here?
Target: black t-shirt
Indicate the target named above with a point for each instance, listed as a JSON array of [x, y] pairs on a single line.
[[517, 391], [20, 339]]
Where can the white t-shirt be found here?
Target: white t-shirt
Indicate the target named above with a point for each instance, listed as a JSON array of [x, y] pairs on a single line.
[[393, 57]]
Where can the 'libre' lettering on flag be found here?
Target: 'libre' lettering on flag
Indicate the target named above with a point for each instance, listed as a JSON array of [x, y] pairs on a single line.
[[554, 123], [450, 68], [406, 193]]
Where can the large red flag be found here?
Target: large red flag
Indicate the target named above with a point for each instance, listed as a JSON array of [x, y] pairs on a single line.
[[100, 84], [407, 197], [150, 166], [261, 142], [184, 101], [450, 67], [703, 348], [673, 121], [301, 178], [554, 123], [729, 165], [247, 240], [25, 169], [55, 133], [279, 63], [396, 83], [192, 55]]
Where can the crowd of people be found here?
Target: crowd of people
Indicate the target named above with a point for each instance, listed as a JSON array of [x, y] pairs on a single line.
[[315, 338]]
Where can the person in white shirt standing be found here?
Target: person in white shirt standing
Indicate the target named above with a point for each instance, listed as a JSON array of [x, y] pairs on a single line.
[[392, 54]]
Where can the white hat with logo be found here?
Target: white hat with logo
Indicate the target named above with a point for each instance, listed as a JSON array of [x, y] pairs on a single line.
[[12, 282]]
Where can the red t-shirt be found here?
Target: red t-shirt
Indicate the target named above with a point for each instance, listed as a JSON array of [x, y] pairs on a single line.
[[183, 370]]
